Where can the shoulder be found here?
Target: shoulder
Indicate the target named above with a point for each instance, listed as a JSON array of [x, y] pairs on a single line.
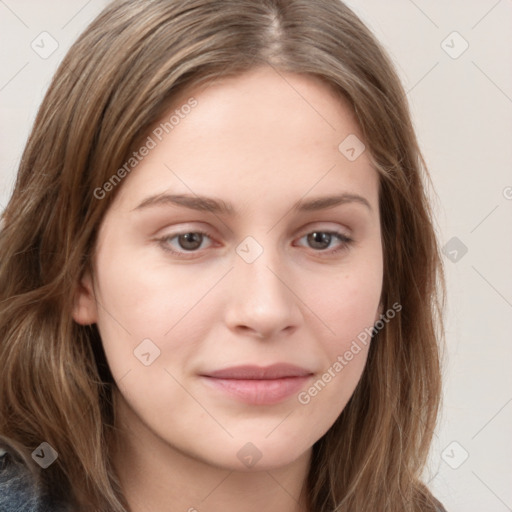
[[20, 490], [18, 487]]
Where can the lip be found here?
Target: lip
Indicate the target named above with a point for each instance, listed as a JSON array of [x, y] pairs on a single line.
[[259, 385], [247, 372]]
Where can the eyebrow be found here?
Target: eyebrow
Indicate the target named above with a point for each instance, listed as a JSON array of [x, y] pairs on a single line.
[[218, 206]]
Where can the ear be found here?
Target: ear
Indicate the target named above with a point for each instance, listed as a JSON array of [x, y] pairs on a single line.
[[85, 311]]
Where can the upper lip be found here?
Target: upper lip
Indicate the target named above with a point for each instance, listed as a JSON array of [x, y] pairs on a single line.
[[251, 372]]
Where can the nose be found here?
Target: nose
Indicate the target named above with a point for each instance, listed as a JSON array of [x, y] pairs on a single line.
[[262, 302]]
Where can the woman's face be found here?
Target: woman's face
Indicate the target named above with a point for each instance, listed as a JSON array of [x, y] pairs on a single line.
[[269, 282]]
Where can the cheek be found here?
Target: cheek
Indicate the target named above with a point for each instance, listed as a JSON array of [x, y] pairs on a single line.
[[136, 302], [143, 297], [347, 303], [348, 310], [140, 300]]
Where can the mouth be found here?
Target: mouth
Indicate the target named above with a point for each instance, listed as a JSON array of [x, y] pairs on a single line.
[[259, 385]]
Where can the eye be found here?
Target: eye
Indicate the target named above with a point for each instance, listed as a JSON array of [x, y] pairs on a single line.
[[189, 241], [321, 240]]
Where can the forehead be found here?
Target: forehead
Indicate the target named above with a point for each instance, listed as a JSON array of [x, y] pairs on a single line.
[[262, 134], [273, 98]]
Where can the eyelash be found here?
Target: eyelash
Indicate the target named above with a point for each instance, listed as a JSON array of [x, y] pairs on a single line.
[[164, 242]]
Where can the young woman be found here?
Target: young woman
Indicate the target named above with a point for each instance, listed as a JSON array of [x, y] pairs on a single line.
[[220, 283]]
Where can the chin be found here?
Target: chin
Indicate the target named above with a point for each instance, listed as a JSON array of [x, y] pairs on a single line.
[[257, 453]]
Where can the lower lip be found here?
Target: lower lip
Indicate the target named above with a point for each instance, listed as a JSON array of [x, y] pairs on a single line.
[[259, 392]]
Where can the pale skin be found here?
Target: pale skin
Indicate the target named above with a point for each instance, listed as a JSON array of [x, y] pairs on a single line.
[[261, 141]]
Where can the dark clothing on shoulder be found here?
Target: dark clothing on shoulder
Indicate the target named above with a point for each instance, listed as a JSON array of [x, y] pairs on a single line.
[[19, 491]]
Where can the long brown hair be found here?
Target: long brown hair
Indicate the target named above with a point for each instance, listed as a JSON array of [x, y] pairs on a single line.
[[114, 83]]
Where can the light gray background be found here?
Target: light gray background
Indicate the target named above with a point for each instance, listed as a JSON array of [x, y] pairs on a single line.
[[462, 109]]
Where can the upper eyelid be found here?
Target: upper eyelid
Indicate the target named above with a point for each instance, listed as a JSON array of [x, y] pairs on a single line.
[[310, 227]]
